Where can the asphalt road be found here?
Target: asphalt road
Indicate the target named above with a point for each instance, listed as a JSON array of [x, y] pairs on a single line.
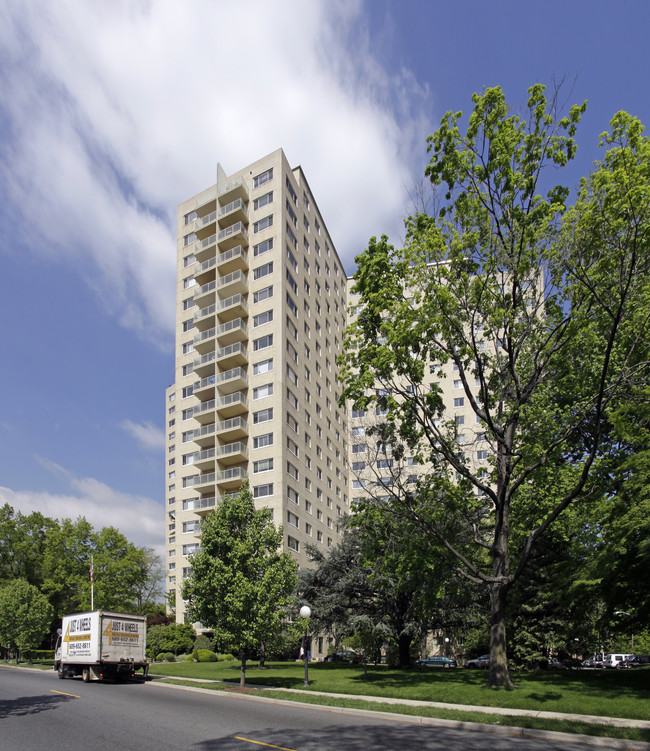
[[38, 711]]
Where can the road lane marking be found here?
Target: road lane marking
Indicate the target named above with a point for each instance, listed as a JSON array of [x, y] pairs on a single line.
[[259, 743], [63, 693]]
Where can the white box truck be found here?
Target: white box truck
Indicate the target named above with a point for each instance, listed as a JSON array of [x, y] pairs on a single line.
[[101, 644]]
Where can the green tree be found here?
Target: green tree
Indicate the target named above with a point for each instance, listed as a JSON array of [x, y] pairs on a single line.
[[25, 616], [241, 582], [516, 293], [22, 544]]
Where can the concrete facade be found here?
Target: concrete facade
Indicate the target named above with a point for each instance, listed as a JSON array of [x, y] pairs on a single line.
[[261, 304]]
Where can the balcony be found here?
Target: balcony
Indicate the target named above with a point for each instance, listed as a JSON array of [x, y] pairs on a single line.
[[232, 380], [231, 283], [232, 453], [205, 225], [204, 436], [206, 248], [204, 342], [231, 478], [232, 190], [204, 318], [204, 460], [207, 479], [231, 236], [204, 389], [232, 405], [233, 259], [233, 354], [204, 412], [231, 332], [236, 427], [203, 506], [206, 294], [232, 307], [233, 211], [206, 271], [204, 366]]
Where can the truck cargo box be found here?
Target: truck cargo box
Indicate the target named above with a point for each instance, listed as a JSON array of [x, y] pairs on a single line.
[[101, 644]]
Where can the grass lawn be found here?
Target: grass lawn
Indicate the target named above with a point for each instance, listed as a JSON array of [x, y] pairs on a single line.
[[607, 693]]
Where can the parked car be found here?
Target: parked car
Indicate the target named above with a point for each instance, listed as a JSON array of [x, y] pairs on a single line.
[[595, 661], [638, 661], [437, 661], [345, 655], [616, 660], [478, 662]]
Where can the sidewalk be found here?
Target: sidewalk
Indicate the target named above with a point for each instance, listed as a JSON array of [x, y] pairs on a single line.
[[505, 711]]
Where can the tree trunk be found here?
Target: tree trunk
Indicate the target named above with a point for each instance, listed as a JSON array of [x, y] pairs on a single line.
[[404, 646], [499, 676], [242, 674]]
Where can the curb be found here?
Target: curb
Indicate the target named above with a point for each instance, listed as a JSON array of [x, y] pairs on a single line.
[[621, 744]]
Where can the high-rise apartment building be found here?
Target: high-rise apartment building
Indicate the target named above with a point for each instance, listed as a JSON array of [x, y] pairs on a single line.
[[260, 315]]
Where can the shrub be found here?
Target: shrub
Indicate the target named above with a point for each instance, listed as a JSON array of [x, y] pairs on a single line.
[[225, 657], [205, 655], [203, 642], [168, 657]]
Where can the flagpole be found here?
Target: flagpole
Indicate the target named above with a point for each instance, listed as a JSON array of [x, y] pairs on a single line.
[[92, 591]]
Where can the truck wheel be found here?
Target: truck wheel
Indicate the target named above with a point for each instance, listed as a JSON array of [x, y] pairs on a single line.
[[61, 673], [85, 675]]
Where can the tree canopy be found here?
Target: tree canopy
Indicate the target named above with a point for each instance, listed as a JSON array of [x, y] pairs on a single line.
[[537, 312], [241, 582]]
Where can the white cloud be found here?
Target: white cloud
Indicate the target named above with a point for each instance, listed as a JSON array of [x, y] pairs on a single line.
[[137, 517], [115, 111], [146, 434]]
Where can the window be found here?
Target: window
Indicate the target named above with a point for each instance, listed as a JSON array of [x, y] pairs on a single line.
[[191, 549], [263, 342], [292, 376], [458, 384], [459, 420], [187, 391], [292, 281], [293, 471], [292, 214], [263, 465], [262, 224], [264, 366], [292, 192], [481, 455], [358, 413], [263, 177], [358, 466], [292, 259], [358, 484], [188, 325], [259, 392], [292, 305], [358, 430], [293, 544], [292, 519], [263, 200], [264, 415], [261, 441], [292, 495], [459, 401], [291, 326], [262, 247], [261, 318], [359, 448], [292, 399], [261, 491], [263, 294], [292, 422], [291, 236], [262, 271], [192, 526]]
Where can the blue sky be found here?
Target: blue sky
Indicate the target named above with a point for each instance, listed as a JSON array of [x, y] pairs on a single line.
[[113, 112]]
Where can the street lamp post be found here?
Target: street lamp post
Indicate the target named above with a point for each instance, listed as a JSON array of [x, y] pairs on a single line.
[[305, 612]]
